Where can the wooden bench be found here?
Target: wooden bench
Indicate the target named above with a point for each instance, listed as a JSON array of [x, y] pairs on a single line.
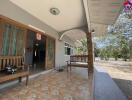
[[18, 61], [77, 61]]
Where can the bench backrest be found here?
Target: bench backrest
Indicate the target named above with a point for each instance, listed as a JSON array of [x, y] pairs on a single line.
[[79, 58], [11, 60]]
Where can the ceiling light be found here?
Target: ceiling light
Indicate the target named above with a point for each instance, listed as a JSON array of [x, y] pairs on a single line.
[[36, 44], [54, 11]]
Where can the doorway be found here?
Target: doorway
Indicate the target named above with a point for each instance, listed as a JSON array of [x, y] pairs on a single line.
[[35, 53], [39, 52]]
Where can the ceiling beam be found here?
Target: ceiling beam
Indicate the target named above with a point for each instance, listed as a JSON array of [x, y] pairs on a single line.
[[61, 34], [87, 13]]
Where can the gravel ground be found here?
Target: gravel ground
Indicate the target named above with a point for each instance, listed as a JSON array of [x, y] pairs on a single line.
[[121, 72]]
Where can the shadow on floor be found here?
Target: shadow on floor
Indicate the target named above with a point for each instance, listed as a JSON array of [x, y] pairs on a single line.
[[36, 69], [105, 87], [125, 86]]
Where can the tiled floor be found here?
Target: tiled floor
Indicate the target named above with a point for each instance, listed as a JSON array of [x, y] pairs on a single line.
[[51, 86]]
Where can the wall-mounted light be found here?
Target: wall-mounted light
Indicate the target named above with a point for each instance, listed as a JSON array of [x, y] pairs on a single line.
[[93, 31], [38, 36], [36, 44]]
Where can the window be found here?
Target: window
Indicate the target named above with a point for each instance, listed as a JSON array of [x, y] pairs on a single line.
[[68, 49]]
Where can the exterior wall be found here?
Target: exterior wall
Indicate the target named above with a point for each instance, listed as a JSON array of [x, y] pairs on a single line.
[[8, 9], [66, 39], [61, 58]]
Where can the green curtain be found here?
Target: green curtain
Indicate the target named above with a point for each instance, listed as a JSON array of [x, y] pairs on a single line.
[[1, 36], [13, 40], [20, 41], [5, 48], [14, 31]]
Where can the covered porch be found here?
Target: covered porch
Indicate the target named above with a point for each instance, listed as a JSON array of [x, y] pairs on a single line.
[[54, 85], [61, 24]]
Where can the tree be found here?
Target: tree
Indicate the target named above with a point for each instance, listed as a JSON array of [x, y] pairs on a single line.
[[118, 43], [124, 47], [96, 50], [82, 48], [130, 50], [115, 53]]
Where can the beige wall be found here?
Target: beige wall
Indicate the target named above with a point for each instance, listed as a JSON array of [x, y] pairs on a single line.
[[10, 10], [61, 58]]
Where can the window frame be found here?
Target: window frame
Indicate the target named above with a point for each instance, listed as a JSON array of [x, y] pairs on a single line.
[[67, 47]]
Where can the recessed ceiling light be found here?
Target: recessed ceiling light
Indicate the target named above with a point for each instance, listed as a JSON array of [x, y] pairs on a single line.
[[54, 11]]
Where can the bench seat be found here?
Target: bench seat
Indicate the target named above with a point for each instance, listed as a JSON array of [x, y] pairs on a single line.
[[78, 64], [77, 61], [6, 77], [18, 61]]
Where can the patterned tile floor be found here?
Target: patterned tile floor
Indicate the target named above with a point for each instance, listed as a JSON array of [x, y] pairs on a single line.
[[50, 86]]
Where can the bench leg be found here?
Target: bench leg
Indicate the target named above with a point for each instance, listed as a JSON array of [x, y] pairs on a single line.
[[67, 69], [27, 78], [70, 69], [70, 72], [20, 79]]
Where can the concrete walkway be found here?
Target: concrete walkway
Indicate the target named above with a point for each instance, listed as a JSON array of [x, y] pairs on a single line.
[[105, 87]]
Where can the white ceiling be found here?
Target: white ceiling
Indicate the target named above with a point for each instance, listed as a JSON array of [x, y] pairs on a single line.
[[72, 14], [75, 34], [103, 13]]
